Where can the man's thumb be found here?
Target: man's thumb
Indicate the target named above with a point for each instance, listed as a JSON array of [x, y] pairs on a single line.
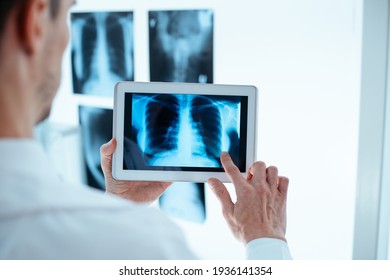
[[106, 151]]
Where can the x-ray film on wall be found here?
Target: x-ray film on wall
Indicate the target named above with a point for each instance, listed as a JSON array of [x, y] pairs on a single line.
[[185, 201], [96, 128], [181, 46], [102, 51]]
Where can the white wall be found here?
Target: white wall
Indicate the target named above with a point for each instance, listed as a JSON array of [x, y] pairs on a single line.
[[304, 56]]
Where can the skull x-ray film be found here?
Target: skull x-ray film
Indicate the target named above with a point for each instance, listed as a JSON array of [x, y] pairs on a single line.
[[184, 132], [102, 51], [181, 46]]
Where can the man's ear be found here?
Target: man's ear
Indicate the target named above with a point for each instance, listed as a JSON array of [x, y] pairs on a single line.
[[32, 23]]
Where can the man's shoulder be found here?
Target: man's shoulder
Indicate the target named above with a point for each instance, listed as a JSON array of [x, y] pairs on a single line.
[[82, 223]]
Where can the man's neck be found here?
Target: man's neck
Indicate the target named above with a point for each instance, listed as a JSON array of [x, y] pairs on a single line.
[[16, 119]]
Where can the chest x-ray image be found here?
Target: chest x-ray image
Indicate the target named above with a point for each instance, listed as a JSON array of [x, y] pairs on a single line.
[[96, 129], [182, 131], [102, 51], [181, 46]]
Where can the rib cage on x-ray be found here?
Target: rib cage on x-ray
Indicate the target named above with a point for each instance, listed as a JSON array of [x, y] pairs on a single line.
[[168, 116], [185, 130], [102, 51], [162, 127], [207, 121]]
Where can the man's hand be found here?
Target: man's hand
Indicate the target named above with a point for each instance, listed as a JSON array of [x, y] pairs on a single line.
[[138, 191], [260, 209]]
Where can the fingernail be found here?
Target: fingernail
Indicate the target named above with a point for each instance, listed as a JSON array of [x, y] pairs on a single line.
[[224, 154], [211, 182]]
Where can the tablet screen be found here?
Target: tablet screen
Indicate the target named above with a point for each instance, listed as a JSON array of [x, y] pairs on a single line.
[[185, 132]]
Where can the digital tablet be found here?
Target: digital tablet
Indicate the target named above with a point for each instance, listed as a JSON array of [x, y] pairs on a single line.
[[177, 131]]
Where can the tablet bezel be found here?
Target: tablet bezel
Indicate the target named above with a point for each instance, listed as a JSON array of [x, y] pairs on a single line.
[[122, 88]]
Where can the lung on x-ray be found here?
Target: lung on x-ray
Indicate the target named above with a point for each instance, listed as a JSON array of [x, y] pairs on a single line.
[[183, 131], [181, 46], [102, 51]]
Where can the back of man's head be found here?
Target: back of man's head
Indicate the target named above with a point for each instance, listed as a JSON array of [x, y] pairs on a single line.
[[33, 38], [7, 6]]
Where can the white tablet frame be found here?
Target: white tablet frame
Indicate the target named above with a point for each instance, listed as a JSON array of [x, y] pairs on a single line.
[[178, 88]]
